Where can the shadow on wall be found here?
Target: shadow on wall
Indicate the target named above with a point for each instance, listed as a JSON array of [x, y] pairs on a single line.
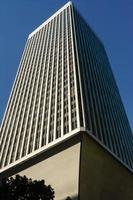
[[75, 198]]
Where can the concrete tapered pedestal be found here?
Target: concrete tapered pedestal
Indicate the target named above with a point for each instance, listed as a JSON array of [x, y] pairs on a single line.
[[80, 168]]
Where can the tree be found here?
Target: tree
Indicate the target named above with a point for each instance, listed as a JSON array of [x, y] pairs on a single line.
[[68, 198], [22, 188]]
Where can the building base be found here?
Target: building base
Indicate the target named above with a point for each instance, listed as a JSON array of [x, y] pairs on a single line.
[[79, 168]]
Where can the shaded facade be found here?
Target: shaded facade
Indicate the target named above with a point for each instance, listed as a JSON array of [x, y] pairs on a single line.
[[103, 110]]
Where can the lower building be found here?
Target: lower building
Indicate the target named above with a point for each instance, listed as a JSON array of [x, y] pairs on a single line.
[[80, 168]]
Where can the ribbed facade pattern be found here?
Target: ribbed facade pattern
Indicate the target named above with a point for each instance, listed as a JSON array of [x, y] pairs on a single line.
[[104, 112], [64, 84], [43, 105]]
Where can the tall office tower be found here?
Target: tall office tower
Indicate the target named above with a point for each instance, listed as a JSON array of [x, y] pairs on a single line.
[[64, 87]]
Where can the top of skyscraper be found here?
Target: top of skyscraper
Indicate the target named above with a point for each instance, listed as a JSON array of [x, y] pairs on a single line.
[[50, 18]]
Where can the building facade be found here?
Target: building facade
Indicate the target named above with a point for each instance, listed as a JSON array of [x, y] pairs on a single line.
[[64, 86], [43, 106]]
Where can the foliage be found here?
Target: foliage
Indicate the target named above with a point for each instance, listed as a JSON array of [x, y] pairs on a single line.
[[22, 188], [68, 198]]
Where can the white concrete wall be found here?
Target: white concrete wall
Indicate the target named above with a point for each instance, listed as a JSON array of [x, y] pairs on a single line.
[[61, 171]]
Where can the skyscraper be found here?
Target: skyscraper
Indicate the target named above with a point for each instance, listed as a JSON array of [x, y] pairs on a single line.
[[64, 87]]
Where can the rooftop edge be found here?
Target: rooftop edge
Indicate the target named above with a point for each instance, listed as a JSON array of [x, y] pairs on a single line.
[[50, 18]]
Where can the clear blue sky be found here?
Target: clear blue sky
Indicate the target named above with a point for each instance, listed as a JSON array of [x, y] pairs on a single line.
[[112, 20]]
